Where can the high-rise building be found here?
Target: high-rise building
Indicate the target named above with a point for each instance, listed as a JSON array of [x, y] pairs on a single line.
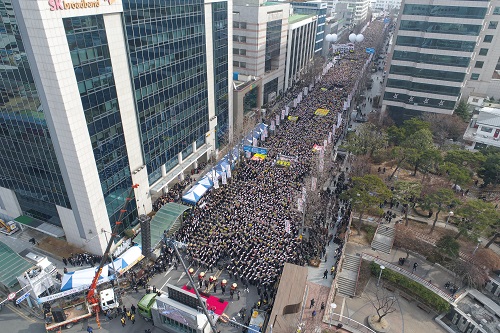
[[317, 8], [98, 95], [358, 10], [260, 30], [484, 75], [433, 46]]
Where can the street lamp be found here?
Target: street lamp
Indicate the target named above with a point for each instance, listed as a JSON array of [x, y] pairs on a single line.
[[477, 246], [382, 267], [333, 306], [450, 214]]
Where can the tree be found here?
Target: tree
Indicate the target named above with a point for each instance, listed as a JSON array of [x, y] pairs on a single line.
[[456, 174], [492, 239], [465, 158], [476, 216], [382, 302], [367, 140], [406, 193], [445, 127], [366, 192], [411, 148], [490, 170], [439, 199], [397, 135], [448, 246], [462, 110]]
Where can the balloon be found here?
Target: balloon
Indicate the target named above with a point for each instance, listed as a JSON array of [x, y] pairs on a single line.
[[328, 38], [352, 38], [360, 38], [334, 37]]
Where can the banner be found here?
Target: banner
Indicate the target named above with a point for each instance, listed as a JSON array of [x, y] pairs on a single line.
[[304, 193], [287, 226], [282, 114], [321, 165], [321, 112], [325, 143], [293, 118], [287, 110], [300, 206], [228, 171], [330, 137], [277, 120], [339, 120], [255, 150], [224, 178], [262, 136], [216, 180], [313, 184], [294, 102], [273, 126], [248, 154], [283, 163], [333, 130], [254, 143]]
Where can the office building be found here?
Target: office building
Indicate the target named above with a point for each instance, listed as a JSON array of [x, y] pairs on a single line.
[[260, 30], [434, 44], [484, 74], [100, 95], [316, 8], [358, 10], [385, 5], [300, 48]]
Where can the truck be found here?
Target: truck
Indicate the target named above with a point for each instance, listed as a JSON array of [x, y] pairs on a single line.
[[145, 304], [65, 313], [256, 321], [8, 227]]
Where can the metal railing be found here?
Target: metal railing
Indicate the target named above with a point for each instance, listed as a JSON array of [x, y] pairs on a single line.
[[411, 276]]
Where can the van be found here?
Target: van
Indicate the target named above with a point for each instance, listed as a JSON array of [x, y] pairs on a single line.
[[45, 264], [144, 306], [108, 299]]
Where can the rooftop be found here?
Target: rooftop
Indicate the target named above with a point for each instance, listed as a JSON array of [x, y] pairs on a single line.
[[298, 17], [489, 116], [481, 309], [11, 266]]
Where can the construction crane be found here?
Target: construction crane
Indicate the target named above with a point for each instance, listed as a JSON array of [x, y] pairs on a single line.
[[92, 297]]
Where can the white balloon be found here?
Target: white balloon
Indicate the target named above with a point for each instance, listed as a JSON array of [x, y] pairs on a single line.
[[328, 38], [360, 38], [352, 38], [334, 37]]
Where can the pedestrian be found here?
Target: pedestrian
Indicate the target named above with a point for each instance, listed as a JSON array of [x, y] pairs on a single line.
[[215, 287], [314, 313], [326, 257], [325, 274], [322, 306], [90, 329], [124, 309], [332, 270], [65, 261], [231, 294], [415, 265], [312, 303], [123, 321], [132, 309], [129, 314], [238, 293], [132, 318]]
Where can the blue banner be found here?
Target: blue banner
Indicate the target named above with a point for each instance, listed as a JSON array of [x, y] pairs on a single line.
[[255, 150], [370, 50]]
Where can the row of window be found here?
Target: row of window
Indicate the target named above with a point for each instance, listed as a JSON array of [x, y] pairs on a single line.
[[239, 39], [428, 73], [420, 101], [445, 11], [240, 64], [433, 59], [442, 28], [237, 51], [433, 43], [423, 87], [239, 25]]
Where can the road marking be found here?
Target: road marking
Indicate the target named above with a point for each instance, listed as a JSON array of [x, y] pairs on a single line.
[[342, 309], [20, 313], [165, 283], [168, 271], [184, 273]]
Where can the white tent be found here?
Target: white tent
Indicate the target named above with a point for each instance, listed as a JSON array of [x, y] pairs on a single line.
[[83, 277], [127, 260]]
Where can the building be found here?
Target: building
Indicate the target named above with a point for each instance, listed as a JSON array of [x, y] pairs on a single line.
[[484, 74], [100, 95], [300, 48], [433, 48], [316, 8], [484, 128], [358, 10], [385, 5], [260, 30]]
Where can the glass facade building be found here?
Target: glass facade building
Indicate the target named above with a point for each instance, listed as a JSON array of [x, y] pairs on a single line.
[[431, 57], [314, 8], [28, 165], [94, 100]]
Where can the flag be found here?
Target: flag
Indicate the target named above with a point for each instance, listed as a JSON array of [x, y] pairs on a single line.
[[287, 110], [228, 171], [273, 127], [216, 180], [224, 178], [277, 120], [282, 114]]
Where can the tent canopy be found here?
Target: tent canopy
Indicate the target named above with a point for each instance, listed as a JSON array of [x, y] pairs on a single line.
[[127, 260], [164, 219], [83, 278], [194, 194]]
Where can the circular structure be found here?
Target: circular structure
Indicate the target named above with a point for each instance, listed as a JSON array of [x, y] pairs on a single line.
[[224, 282], [11, 296], [234, 286], [352, 38], [379, 327], [328, 38], [360, 38], [334, 37], [191, 271]]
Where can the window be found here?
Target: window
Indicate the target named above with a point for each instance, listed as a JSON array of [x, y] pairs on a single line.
[[243, 25], [236, 51], [243, 52], [475, 100], [483, 52], [486, 129], [240, 64], [492, 25], [496, 11], [488, 38], [474, 76], [479, 64]]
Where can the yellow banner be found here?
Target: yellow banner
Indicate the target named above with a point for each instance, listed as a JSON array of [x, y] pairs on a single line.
[[283, 163], [293, 118], [321, 112]]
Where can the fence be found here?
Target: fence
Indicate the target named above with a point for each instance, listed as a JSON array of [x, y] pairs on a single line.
[[349, 324], [410, 275]]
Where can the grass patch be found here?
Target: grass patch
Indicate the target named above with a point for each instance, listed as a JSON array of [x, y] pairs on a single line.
[[413, 288], [369, 232], [363, 277]]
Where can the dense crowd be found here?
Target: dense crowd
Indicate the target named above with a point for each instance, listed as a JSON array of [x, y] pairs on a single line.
[[251, 225]]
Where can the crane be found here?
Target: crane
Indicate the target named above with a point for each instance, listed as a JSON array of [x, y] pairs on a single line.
[[92, 297]]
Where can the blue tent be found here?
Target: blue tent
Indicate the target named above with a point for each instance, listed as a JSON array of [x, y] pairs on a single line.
[[194, 194], [205, 181], [83, 278]]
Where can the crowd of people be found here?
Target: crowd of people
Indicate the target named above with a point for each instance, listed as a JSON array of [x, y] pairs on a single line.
[[81, 259], [251, 225]]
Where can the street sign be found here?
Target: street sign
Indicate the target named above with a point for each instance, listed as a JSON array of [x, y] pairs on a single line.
[[11, 296], [22, 298]]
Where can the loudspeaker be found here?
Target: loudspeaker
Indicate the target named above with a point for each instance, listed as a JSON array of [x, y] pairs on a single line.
[[145, 235], [58, 315]]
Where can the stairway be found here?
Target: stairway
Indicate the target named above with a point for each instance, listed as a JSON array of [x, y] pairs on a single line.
[[383, 239], [348, 276]]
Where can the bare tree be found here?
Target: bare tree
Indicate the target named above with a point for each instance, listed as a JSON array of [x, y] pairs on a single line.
[[382, 302]]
